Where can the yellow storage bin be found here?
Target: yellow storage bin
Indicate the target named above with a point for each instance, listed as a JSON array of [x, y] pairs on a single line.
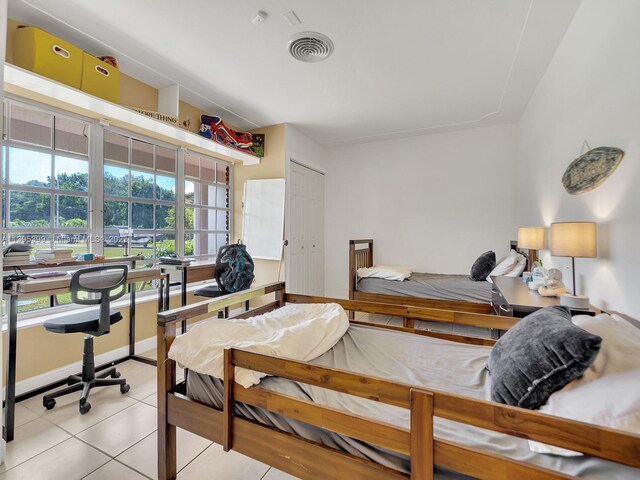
[[100, 79], [48, 55]]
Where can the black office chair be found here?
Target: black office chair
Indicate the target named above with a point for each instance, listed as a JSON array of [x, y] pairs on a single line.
[[213, 291], [91, 286]]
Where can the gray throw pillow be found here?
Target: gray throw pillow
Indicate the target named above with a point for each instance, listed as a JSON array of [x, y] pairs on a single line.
[[538, 356], [483, 265]]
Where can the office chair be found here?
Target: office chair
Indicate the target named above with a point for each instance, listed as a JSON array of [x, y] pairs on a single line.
[[91, 286], [213, 291]]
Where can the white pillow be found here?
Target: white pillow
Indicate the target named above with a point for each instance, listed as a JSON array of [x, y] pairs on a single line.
[[388, 272], [518, 268], [608, 394], [505, 265]]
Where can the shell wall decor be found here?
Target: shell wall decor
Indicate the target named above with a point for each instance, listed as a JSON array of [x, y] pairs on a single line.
[[591, 169]]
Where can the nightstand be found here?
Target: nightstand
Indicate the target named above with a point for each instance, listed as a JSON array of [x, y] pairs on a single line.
[[512, 297]]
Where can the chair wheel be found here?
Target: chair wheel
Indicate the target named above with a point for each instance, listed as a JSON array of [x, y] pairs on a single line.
[[49, 404], [85, 407], [124, 388], [115, 375]]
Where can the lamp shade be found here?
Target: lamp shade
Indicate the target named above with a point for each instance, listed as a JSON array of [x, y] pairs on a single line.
[[531, 238], [574, 239]]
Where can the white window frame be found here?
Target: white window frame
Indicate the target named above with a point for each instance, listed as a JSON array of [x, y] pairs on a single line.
[[95, 229], [129, 198], [52, 191], [229, 209]]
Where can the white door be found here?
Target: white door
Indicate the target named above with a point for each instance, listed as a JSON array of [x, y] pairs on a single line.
[[305, 259]]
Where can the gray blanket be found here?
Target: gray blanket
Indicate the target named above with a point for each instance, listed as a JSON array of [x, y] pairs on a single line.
[[412, 359], [431, 285]]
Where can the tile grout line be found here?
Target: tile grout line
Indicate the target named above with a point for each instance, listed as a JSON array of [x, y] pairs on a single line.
[[193, 459], [39, 453]]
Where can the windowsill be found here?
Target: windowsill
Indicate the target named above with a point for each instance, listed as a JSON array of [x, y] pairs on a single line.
[[141, 297]]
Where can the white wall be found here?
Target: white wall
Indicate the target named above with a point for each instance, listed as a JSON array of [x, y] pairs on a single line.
[[591, 91], [432, 202], [304, 150]]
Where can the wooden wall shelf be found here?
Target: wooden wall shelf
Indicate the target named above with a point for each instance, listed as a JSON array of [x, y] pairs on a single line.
[[26, 84]]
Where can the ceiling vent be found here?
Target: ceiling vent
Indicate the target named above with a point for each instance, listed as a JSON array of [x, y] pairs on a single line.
[[310, 47]]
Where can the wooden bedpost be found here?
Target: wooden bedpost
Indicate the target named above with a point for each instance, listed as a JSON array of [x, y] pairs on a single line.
[[358, 259], [421, 435], [167, 469], [352, 274], [227, 405], [281, 297]]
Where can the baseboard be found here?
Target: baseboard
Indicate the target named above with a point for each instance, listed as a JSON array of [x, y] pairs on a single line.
[[62, 372]]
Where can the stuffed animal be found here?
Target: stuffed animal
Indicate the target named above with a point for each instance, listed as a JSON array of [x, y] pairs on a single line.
[[554, 286]]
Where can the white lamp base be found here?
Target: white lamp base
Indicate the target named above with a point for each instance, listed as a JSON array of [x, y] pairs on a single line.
[[574, 301]]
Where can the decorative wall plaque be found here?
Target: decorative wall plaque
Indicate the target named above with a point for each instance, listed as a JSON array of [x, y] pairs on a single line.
[[591, 169]]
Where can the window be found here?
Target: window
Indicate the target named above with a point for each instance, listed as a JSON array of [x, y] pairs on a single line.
[[71, 183], [207, 223], [46, 183], [139, 194], [46, 180]]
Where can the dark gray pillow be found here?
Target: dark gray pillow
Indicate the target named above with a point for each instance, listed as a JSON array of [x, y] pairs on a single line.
[[539, 355], [483, 265]]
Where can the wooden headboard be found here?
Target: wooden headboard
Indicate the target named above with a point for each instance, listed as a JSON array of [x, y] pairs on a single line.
[[359, 257], [532, 255]]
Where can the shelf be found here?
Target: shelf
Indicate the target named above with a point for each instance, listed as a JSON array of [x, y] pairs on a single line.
[[35, 87]]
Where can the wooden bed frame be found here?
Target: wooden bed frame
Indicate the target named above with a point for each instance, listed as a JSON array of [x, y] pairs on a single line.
[[362, 257], [309, 460]]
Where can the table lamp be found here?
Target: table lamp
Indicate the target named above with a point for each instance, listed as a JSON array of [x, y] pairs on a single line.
[[574, 239], [531, 238]]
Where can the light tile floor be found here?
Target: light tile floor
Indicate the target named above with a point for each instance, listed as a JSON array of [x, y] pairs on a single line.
[[116, 439]]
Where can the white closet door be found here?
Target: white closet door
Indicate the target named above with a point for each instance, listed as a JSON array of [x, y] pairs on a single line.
[[306, 231], [316, 237]]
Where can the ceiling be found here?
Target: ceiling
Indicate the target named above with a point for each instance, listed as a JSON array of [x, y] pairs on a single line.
[[399, 68]]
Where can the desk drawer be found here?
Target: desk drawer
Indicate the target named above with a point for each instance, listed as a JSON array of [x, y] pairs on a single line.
[[499, 304]]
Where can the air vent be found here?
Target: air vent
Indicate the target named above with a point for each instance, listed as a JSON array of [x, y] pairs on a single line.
[[310, 47]]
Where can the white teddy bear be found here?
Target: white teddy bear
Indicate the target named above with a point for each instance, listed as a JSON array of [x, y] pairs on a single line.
[[554, 286]]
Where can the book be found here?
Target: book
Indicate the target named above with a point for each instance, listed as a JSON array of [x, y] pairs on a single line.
[[17, 254], [55, 250], [61, 253], [55, 261], [12, 262]]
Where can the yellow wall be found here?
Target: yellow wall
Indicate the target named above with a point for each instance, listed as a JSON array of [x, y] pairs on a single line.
[[134, 93], [272, 165]]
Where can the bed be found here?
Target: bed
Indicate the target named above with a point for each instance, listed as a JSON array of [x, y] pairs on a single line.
[[285, 421], [431, 290], [451, 292]]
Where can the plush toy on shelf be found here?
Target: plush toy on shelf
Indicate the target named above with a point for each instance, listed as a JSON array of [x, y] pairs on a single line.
[[554, 286]]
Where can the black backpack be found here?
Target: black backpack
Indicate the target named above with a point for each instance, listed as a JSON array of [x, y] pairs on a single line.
[[234, 268]]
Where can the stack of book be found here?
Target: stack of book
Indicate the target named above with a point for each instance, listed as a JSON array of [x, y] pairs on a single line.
[[55, 255], [16, 258]]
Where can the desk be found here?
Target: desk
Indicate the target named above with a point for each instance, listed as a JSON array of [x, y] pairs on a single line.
[[104, 261], [512, 297], [190, 272], [57, 286]]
